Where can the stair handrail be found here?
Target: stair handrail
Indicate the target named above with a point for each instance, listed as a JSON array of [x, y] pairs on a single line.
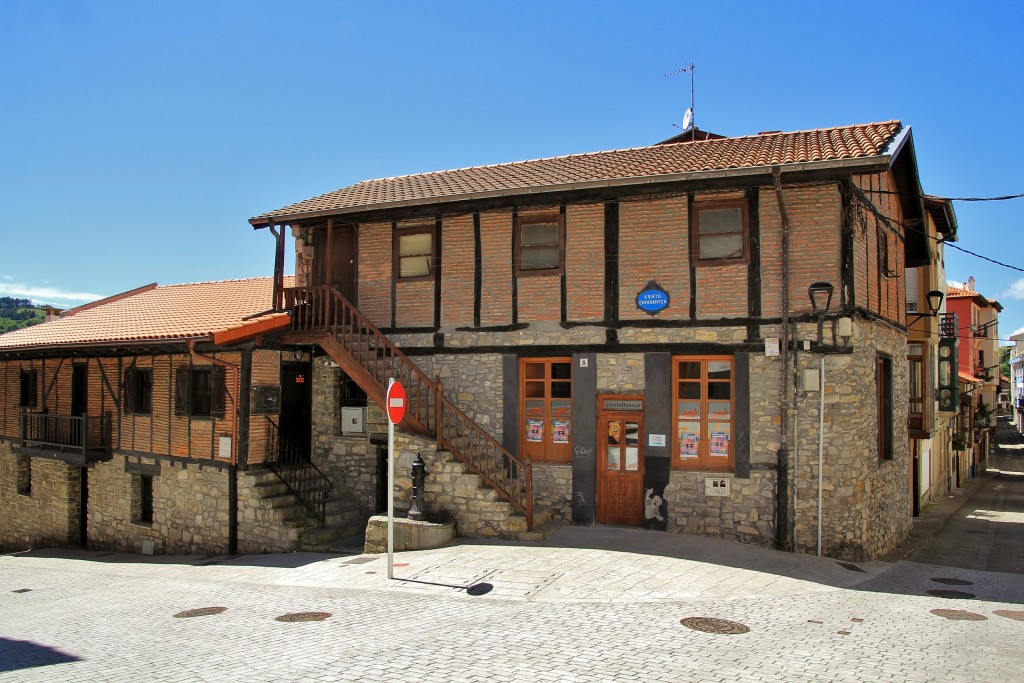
[[292, 474], [322, 308]]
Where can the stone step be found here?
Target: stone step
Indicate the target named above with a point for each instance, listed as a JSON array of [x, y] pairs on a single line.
[[541, 532]]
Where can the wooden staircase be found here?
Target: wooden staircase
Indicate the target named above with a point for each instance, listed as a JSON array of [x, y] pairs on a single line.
[[321, 315]]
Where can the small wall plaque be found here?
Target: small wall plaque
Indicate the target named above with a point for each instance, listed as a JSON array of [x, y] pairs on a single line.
[[265, 400], [652, 298]]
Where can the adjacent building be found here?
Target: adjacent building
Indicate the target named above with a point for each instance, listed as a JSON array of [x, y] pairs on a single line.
[[977, 330]]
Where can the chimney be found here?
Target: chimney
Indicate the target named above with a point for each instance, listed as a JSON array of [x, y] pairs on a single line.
[[970, 283]]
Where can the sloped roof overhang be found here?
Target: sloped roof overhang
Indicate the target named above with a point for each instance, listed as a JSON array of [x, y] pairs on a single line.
[[811, 168]]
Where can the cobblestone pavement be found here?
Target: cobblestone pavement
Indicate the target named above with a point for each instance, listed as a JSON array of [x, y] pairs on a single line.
[[591, 604]]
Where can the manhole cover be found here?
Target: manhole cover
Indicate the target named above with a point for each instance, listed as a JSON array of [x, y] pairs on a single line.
[[713, 625], [22, 590], [959, 615], [200, 612], [359, 560], [953, 582], [303, 616], [951, 594], [1014, 614]]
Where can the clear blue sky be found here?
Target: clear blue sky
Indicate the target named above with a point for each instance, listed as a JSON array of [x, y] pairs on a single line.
[[137, 138]]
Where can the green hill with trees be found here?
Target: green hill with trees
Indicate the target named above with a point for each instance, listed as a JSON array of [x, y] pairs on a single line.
[[18, 313]]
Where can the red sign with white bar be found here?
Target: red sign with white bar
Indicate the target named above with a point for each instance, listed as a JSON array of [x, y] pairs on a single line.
[[396, 402]]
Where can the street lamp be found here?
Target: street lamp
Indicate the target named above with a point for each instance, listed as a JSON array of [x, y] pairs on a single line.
[[934, 298], [821, 299]]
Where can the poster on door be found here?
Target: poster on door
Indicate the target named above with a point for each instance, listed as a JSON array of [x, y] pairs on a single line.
[[535, 431], [689, 440], [719, 440], [560, 432]]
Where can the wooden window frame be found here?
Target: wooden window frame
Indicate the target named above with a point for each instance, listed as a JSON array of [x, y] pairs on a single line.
[[704, 462], [700, 206], [550, 450], [187, 390], [884, 387], [396, 256], [518, 246], [138, 391], [28, 390]]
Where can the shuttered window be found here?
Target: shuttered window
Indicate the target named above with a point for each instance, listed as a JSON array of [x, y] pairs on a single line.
[[539, 245], [138, 391], [199, 392], [27, 397], [720, 233], [414, 253]]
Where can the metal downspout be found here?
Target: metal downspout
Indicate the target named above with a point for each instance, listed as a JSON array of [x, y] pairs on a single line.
[[782, 521], [233, 469]]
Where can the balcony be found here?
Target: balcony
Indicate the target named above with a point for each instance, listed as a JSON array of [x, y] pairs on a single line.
[[77, 440], [947, 325]]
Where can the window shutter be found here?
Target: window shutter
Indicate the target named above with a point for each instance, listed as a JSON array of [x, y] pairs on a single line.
[[217, 392], [181, 391], [911, 281], [129, 392]]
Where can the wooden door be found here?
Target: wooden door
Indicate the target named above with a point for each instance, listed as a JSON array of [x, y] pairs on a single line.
[[620, 485], [339, 267]]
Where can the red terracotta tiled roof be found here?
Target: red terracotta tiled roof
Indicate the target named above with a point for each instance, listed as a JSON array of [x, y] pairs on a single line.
[[959, 292], [611, 168], [189, 311]]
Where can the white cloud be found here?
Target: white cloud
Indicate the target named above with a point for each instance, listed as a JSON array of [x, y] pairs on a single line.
[[47, 295], [1016, 290], [954, 283], [8, 277], [1017, 331]]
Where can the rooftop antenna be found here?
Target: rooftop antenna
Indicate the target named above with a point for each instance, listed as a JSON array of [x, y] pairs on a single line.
[[688, 114]]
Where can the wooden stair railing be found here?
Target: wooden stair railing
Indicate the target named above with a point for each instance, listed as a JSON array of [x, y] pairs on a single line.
[[321, 315]]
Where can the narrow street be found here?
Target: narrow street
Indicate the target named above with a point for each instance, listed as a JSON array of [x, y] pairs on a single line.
[[987, 533]]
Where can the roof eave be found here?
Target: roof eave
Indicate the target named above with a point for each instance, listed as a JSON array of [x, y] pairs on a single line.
[[114, 343], [861, 164]]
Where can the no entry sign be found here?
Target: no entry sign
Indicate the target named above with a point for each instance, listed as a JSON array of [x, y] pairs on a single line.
[[396, 402]]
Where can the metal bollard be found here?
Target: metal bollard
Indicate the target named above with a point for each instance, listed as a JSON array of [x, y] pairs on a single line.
[[419, 473]]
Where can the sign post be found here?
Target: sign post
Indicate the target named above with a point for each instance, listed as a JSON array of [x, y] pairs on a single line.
[[395, 406]]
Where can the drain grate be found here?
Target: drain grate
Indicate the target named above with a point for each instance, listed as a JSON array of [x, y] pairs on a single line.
[[953, 582], [200, 612], [359, 560], [1015, 614], [714, 625], [303, 616], [950, 594], [959, 615]]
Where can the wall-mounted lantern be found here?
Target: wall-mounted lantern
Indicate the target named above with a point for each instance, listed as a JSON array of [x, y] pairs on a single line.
[[821, 298]]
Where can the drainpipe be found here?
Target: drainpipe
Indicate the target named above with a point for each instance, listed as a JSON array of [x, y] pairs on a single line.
[[782, 522], [278, 296], [233, 468]]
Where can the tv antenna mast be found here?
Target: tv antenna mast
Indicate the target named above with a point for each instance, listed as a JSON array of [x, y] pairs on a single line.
[[688, 114]]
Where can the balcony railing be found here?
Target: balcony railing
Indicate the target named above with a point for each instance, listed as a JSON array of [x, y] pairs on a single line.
[[85, 435], [947, 325]]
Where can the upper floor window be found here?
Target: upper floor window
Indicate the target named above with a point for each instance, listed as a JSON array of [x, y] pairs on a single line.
[[138, 391], [27, 396], [414, 252], [199, 391], [539, 245], [719, 231]]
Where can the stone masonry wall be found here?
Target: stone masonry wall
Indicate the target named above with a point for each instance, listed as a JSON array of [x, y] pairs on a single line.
[[48, 515], [190, 508]]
